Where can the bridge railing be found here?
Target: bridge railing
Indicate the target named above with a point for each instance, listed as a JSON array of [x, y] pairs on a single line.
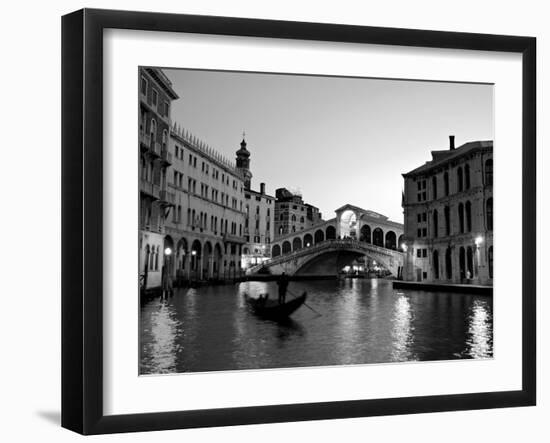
[[327, 244]]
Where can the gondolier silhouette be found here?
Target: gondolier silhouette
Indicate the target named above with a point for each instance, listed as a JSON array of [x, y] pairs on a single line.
[[282, 282]]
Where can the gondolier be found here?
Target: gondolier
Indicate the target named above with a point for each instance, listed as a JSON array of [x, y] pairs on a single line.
[[282, 282]]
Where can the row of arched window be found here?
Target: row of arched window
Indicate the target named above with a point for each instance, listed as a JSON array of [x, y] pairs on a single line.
[[377, 238], [293, 218], [466, 267], [200, 220], [464, 215], [151, 130], [463, 179], [152, 257]]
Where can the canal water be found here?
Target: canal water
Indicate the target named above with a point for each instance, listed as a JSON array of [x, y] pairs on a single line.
[[361, 321]]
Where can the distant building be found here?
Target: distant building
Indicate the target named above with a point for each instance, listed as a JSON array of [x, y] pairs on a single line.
[[259, 228], [259, 214], [448, 211], [292, 214]]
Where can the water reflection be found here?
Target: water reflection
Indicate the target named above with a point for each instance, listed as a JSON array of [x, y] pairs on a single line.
[[161, 349], [402, 330], [480, 331], [361, 321]]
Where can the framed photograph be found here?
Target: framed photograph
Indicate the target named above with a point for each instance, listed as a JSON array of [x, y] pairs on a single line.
[[268, 221]]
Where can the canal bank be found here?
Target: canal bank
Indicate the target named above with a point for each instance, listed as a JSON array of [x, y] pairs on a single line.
[[444, 287]]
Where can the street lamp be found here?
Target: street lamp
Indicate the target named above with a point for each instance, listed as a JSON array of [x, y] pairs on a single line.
[[193, 262], [478, 240], [404, 247], [167, 251], [308, 245]]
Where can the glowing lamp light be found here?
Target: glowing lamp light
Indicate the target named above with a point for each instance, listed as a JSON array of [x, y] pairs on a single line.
[[404, 247], [478, 240], [308, 245], [193, 252], [167, 251]]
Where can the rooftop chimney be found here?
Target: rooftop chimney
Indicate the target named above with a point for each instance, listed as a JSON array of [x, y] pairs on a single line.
[[451, 142], [262, 188]]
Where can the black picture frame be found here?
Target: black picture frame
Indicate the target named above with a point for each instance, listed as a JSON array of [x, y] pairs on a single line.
[[82, 219]]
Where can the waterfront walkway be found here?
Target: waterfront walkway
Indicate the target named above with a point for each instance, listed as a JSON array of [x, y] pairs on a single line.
[[444, 287]]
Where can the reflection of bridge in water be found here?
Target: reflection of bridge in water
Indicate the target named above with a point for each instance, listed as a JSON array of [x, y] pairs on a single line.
[[326, 248]]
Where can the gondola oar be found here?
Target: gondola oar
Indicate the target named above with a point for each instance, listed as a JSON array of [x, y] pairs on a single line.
[[305, 304]]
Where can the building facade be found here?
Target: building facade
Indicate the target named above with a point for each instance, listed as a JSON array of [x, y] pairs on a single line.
[[205, 230], [192, 213], [155, 198], [448, 214], [259, 226], [292, 214], [259, 214]]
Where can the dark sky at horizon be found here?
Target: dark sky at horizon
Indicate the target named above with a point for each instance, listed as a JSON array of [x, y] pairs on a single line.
[[336, 139]]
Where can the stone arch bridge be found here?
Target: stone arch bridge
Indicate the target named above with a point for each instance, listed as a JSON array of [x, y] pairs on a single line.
[[329, 257]]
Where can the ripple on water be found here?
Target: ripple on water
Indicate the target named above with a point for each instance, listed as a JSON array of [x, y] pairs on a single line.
[[362, 321]]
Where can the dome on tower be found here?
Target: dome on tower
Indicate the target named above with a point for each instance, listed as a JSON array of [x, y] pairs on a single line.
[[243, 152]]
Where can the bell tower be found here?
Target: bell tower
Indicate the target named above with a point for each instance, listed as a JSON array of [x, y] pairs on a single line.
[[243, 163]]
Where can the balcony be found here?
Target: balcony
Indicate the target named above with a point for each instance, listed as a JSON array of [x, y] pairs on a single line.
[[165, 155], [233, 238], [154, 148], [144, 141], [149, 188], [167, 198]]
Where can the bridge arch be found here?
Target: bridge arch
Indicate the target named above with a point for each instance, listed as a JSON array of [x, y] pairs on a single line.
[[330, 233], [319, 236], [391, 240], [275, 251], [287, 248], [308, 240], [331, 258], [296, 244], [378, 237], [365, 234]]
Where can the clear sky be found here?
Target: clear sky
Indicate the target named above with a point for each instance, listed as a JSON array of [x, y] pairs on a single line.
[[338, 140]]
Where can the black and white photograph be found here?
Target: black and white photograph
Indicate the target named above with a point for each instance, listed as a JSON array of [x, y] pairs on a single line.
[[291, 221]]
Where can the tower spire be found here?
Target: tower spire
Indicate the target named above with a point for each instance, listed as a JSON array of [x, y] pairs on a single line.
[[243, 162]]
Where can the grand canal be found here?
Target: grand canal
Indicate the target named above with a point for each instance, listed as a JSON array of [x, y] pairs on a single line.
[[357, 321]]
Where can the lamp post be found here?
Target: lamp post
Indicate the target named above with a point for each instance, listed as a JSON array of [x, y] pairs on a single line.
[[478, 242], [193, 260]]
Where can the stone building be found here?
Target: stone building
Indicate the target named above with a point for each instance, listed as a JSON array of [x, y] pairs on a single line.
[[192, 215], [259, 226], [448, 211], [292, 214], [259, 213], [205, 230], [155, 198]]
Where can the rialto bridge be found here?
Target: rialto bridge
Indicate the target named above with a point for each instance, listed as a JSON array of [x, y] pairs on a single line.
[[329, 246]]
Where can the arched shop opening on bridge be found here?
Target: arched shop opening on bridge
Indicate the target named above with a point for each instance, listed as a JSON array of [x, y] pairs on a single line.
[[348, 224]]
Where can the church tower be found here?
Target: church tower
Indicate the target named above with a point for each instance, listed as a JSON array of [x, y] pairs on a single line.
[[243, 163]]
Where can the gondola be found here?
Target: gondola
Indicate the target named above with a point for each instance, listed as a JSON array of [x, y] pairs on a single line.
[[271, 309]]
